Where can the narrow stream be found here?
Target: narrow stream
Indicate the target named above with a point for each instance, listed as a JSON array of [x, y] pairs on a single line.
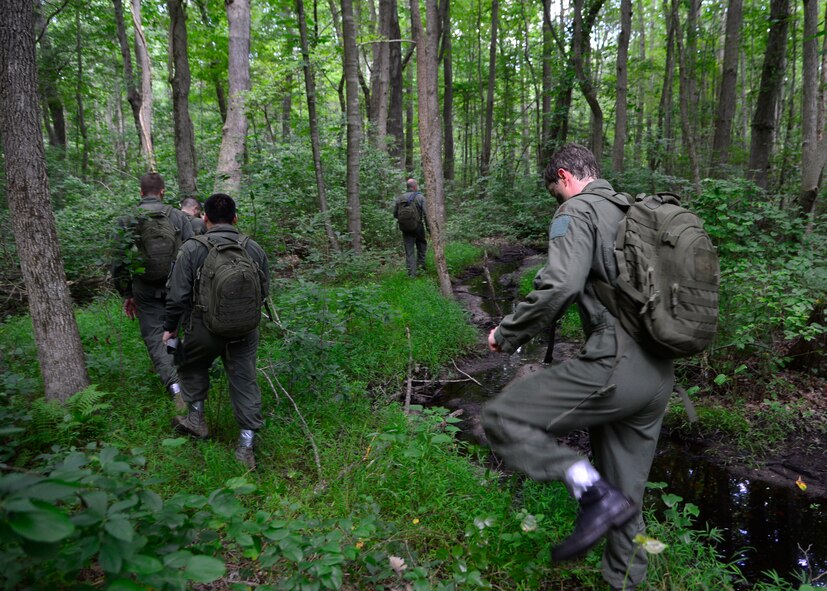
[[764, 527]]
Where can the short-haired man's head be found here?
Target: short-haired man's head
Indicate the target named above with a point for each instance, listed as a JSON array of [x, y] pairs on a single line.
[[576, 159], [152, 183], [412, 185], [220, 208], [191, 205]]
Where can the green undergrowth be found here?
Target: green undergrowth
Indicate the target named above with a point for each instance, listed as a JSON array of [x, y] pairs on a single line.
[[350, 492]]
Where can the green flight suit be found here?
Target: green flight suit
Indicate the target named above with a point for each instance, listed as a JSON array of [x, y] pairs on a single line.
[[613, 387], [199, 347], [150, 299], [415, 243]]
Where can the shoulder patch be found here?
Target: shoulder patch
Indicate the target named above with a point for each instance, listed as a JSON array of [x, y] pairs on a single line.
[[559, 227]]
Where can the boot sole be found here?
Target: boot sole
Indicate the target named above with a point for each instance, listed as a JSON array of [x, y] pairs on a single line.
[[559, 555]]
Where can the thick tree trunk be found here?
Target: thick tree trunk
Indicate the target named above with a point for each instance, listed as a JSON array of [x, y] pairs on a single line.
[[145, 111], [772, 77], [485, 156], [722, 138], [380, 78], [621, 98], [179, 79], [812, 159], [354, 126], [234, 133], [448, 93], [409, 117], [430, 139], [315, 142], [27, 190], [396, 129]]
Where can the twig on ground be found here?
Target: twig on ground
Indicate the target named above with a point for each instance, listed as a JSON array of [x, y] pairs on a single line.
[[465, 374], [409, 385], [305, 426]]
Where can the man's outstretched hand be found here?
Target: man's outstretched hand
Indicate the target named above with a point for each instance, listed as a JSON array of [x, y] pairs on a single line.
[[130, 308]]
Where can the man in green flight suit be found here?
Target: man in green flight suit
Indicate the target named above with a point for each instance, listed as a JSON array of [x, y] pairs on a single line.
[[200, 346], [145, 291], [413, 232], [613, 388]]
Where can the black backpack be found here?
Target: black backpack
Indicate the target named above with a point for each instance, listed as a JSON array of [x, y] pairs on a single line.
[[666, 293], [227, 287], [158, 241], [407, 214]]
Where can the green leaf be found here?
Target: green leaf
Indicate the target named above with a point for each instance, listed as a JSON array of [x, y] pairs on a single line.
[[671, 500], [441, 438], [45, 524], [177, 442], [720, 379], [110, 557], [204, 569], [124, 585], [118, 527], [142, 564], [51, 490]]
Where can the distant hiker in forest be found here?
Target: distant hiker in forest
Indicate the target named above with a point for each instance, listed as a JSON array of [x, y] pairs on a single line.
[[146, 246], [614, 388], [217, 287], [192, 207], [409, 211]]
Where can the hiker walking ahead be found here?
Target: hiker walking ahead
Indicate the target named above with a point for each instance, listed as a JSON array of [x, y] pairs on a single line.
[[409, 211], [216, 291], [613, 387], [192, 207], [147, 243]]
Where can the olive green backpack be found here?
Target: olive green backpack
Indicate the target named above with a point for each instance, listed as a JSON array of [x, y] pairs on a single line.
[[158, 242], [666, 293], [228, 288]]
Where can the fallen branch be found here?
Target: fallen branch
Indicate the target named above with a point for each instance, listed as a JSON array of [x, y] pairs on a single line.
[[409, 385], [465, 374], [305, 426]]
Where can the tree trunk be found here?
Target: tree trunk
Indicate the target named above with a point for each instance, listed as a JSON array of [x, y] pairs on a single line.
[[145, 110], [622, 85], [179, 79], [234, 133], [722, 138], [485, 156], [48, 83], [286, 104], [662, 147], [315, 142], [84, 156], [772, 77], [430, 140], [380, 78], [354, 126], [546, 114], [396, 130], [812, 161], [448, 93], [60, 352], [688, 96], [581, 40], [133, 96], [409, 116]]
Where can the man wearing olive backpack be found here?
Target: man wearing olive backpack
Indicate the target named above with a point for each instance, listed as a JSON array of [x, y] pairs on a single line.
[[216, 289], [409, 211]]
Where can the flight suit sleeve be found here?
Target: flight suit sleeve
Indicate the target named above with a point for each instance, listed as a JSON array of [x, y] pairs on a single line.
[[180, 286], [557, 285], [420, 201], [264, 271]]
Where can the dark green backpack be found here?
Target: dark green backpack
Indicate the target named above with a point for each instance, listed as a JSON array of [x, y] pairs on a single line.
[[407, 214], [158, 241], [227, 287], [666, 293]]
